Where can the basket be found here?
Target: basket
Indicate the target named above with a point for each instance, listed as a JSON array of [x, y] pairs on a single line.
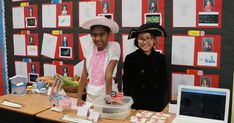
[[70, 89]]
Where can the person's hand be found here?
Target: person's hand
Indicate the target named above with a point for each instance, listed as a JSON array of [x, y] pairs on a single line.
[[107, 99], [80, 102]]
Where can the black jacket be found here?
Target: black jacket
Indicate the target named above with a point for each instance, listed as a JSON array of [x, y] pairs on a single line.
[[145, 80]]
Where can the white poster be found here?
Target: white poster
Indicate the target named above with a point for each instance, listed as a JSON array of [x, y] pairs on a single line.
[[85, 42], [87, 10], [128, 46], [49, 16], [19, 45], [49, 45], [49, 70], [131, 13], [180, 79], [21, 69], [184, 13], [18, 17], [183, 50], [78, 68]]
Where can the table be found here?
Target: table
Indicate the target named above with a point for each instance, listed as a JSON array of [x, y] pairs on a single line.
[[49, 116], [33, 104]]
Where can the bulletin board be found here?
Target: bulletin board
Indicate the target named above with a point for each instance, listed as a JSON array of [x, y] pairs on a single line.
[[122, 11]]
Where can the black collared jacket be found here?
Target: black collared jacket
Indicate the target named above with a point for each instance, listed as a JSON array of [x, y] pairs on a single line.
[[145, 79]]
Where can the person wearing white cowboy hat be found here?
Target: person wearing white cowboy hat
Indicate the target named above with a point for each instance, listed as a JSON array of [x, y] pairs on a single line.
[[145, 70], [101, 58]]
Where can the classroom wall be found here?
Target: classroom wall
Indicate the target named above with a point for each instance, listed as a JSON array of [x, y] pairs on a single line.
[[225, 71]]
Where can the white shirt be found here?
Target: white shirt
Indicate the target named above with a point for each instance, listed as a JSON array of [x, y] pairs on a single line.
[[113, 53]]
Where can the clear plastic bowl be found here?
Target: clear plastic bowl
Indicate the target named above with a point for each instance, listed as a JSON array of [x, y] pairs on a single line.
[[113, 111]]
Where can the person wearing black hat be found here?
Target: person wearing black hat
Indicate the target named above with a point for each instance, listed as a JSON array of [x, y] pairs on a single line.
[[145, 70]]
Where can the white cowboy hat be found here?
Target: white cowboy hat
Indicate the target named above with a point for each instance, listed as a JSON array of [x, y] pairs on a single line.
[[100, 20]]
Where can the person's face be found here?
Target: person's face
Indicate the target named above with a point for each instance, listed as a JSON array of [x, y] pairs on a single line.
[[208, 2], [205, 82], [206, 44], [100, 37], [152, 4], [146, 41], [64, 8], [64, 38], [105, 5]]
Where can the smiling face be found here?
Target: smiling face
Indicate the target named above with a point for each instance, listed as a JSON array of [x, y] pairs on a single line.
[[100, 37], [146, 42]]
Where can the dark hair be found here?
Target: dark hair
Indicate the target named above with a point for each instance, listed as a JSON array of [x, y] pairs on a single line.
[[107, 29], [136, 39]]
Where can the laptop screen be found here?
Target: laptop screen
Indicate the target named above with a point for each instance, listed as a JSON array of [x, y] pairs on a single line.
[[203, 103]]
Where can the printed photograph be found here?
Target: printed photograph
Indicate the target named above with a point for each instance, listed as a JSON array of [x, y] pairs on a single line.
[[153, 18], [30, 22], [64, 41], [65, 71], [31, 40], [207, 44], [30, 11], [65, 52], [208, 5], [33, 68], [33, 77], [205, 81], [152, 6], [64, 10], [208, 18], [105, 6]]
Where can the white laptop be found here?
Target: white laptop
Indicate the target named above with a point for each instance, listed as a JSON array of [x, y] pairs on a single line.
[[202, 105]]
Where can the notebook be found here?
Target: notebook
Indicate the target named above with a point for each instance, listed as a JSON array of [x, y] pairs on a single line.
[[202, 105]]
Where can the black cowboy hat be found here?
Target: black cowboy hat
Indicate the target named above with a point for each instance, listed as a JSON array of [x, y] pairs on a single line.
[[153, 28]]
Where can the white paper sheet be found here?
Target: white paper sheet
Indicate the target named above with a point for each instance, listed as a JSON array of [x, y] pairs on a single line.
[[131, 13], [49, 70], [49, 45], [86, 42], [32, 50], [64, 20], [94, 116], [11, 104], [19, 45], [128, 46], [21, 69], [82, 111], [78, 68], [207, 59], [18, 17], [87, 10], [181, 79], [184, 13], [70, 118], [183, 50], [49, 16]]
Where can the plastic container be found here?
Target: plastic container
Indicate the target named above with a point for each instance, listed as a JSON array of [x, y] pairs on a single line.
[[113, 111], [18, 88]]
